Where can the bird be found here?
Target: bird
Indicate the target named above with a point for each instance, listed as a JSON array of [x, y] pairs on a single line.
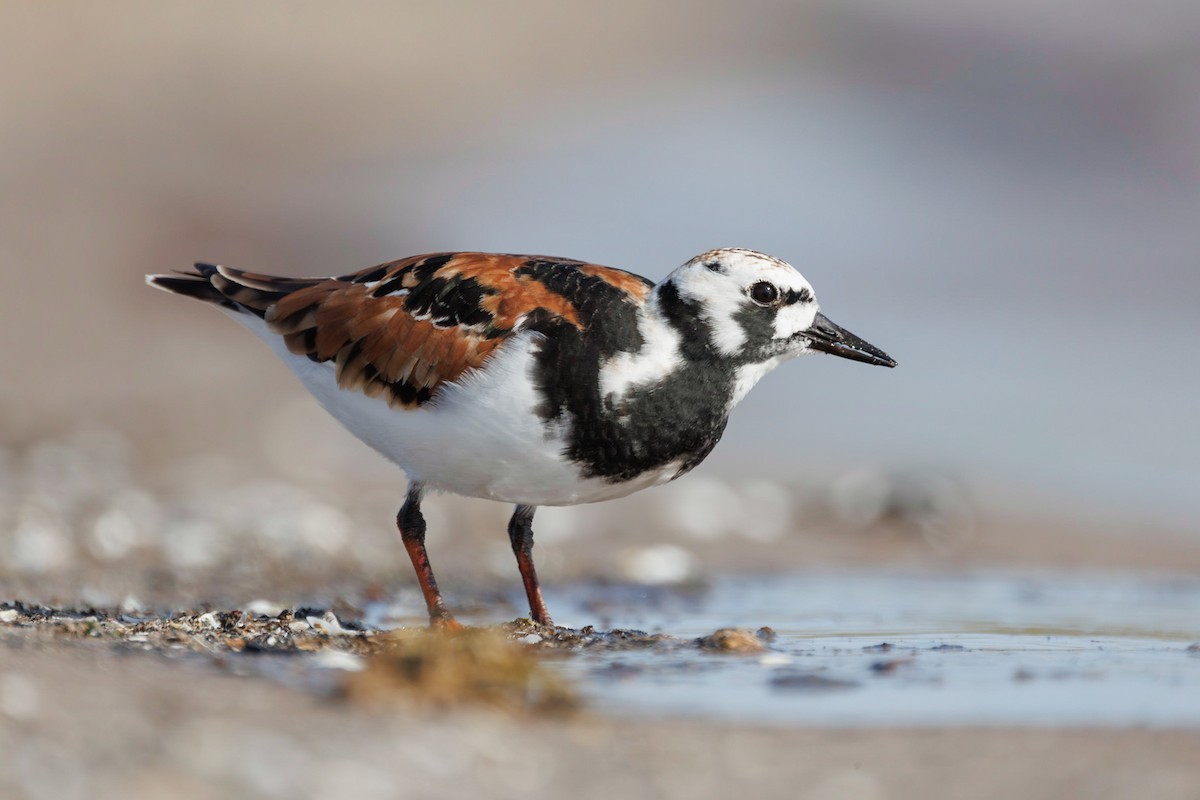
[[530, 380]]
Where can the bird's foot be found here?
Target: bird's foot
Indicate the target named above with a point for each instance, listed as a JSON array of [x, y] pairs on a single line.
[[445, 623]]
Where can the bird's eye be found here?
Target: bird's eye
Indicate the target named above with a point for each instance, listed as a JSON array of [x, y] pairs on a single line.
[[764, 293]]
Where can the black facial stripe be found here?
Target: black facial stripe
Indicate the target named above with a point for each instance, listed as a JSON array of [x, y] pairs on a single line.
[[695, 334], [793, 296], [759, 325]]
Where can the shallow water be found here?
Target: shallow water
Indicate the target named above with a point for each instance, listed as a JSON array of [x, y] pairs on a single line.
[[880, 649]]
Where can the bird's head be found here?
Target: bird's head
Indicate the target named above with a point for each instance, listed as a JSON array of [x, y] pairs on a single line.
[[753, 309]]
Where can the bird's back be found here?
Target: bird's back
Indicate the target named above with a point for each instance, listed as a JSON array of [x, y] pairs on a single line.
[[402, 329], [464, 368]]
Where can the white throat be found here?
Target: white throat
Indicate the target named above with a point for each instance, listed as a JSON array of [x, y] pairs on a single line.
[[750, 374]]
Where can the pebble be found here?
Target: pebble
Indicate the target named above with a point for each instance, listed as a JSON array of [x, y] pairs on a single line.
[[264, 608], [329, 625], [336, 659], [732, 640], [775, 659]]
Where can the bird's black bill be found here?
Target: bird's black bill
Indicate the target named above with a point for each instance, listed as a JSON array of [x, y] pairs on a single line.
[[837, 341]]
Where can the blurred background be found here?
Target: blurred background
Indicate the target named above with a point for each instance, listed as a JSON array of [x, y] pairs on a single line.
[[1003, 196]]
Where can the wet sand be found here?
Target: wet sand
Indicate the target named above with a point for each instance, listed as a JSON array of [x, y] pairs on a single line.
[[96, 723], [238, 704]]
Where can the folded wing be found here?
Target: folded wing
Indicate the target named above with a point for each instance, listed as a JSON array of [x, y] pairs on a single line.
[[402, 329]]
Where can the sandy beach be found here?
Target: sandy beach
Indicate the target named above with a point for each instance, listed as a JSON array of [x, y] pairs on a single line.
[[86, 722], [90, 714]]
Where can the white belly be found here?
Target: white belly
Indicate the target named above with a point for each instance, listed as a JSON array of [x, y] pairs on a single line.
[[480, 437]]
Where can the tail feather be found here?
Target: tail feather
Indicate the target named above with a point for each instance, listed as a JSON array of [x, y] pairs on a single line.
[[195, 284], [228, 287]]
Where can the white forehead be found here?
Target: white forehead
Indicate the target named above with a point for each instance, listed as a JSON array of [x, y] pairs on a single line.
[[746, 267], [718, 283]]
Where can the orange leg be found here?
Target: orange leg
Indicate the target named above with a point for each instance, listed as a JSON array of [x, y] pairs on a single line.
[[520, 532], [412, 532]]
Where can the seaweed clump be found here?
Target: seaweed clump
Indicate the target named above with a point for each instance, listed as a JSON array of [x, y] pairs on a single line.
[[420, 668]]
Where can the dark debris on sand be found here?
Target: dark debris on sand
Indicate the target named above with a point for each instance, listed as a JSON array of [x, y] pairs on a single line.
[[233, 631], [501, 666]]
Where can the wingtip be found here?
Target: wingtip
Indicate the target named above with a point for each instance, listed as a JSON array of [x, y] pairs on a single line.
[[187, 284]]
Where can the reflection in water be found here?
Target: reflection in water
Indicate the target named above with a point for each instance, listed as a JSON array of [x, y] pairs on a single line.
[[894, 649]]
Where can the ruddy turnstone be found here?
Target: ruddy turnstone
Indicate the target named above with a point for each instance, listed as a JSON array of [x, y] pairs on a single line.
[[528, 379]]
